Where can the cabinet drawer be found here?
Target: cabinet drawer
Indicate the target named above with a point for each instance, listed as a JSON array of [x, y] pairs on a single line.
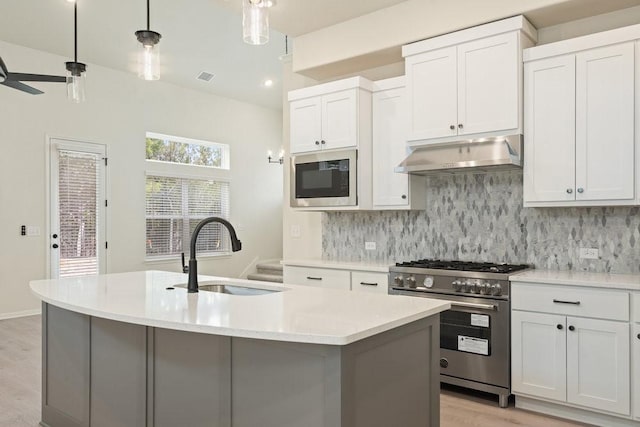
[[571, 301], [321, 277], [636, 309], [369, 282]]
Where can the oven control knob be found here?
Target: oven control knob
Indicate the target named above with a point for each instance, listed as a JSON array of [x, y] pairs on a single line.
[[411, 282], [467, 286], [496, 289], [457, 286], [398, 280], [428, 282], [485, 288]]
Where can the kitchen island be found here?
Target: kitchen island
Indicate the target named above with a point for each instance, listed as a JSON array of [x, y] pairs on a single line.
[[135, 349]]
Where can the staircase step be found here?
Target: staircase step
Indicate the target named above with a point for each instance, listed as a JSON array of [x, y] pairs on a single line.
[[269, 268], [275, 278]]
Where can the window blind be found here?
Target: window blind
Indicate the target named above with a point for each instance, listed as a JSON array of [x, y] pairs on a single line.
[[78, 187], [174, 206]]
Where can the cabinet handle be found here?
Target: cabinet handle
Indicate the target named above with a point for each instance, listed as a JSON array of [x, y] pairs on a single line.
[[559, 327], [317, 142], [569, 190], [580, 190], [559, 301], [452, 127], [54, 246], [404, 196], [323, 142], [314, 278], [571, 328], [368, 284], [639, 336], [460, 126]]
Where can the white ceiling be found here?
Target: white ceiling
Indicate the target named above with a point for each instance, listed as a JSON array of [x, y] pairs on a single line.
[[197, 35]]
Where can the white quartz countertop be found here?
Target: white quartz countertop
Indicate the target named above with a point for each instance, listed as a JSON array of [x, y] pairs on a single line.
[[579, 278], [297, 314], [336, 265]]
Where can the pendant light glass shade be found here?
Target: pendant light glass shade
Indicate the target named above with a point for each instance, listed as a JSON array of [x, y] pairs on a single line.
[[255, 21], [76, 82], [148, 55]]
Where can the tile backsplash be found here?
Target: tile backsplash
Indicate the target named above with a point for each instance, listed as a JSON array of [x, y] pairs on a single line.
[[479, 217]]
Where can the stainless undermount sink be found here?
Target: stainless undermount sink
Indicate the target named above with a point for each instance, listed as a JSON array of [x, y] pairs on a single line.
[[226, 288]]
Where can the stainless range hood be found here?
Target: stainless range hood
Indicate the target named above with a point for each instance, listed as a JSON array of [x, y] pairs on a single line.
[[483, 154]]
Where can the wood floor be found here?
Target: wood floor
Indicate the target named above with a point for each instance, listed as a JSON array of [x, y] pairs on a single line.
[[20, 342]]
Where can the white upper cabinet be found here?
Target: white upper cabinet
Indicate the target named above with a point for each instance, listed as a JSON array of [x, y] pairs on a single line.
[[392, 190], [489, 91], [330, 116], [580, 120], [467, 83], [605, 123]]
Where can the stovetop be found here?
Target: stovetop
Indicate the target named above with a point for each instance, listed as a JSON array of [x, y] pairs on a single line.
[[480, 267]]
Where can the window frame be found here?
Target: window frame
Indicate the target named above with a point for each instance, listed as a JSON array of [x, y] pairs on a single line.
[[225, 148], [186, 171]]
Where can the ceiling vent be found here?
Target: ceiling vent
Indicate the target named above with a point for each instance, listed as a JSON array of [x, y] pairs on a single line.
[[205, 76]]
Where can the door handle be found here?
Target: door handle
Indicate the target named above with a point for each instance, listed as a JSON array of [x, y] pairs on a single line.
[[473, 305], [54, 246]]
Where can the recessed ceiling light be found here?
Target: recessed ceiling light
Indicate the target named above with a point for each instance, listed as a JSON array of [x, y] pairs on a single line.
[[268, 83], [71, 1]]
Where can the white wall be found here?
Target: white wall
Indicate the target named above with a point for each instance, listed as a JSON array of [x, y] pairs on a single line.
[[120, 108]]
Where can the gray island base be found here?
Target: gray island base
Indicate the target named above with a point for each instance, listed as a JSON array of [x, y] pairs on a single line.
[[105, 373]]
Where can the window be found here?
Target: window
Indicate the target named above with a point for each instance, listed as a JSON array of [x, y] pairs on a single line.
[[176, 202], [174, 149]]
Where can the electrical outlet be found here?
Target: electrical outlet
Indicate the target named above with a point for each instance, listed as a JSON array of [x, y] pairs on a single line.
[[589, 253], [295, 231], [370, 246], [33, 230]]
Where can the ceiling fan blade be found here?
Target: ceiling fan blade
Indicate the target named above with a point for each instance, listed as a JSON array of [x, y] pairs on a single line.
[[3, 67], [24, 77], [21, 86]]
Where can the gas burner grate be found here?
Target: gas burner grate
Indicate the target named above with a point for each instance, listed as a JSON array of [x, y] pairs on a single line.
[[481, 267]]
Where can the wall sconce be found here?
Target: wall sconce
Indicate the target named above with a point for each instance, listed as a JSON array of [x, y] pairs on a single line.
[[280, 159]]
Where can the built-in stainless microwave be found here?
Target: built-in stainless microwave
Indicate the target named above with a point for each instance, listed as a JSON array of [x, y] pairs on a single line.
[[327, 178]]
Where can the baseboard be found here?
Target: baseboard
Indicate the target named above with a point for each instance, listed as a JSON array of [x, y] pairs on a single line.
[[24, 313], [571, 413]]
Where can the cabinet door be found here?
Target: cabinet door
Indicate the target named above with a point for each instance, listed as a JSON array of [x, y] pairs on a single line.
[[305, 125], [598, 364], [636, 370], [488, 86], [321, 277], [549, 166], [369, 282], [538, 355], [389, 148], [605, 123], [432, 94], [340, 119]]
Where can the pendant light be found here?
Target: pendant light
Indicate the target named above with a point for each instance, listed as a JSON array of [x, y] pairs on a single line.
[[149, 54], [76, 76], [255, 21]]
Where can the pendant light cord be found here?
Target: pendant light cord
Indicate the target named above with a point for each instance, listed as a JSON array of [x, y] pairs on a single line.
[[75, 31], [148, 17]]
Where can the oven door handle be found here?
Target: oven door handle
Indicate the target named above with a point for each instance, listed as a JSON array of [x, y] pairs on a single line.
[[460, 304]]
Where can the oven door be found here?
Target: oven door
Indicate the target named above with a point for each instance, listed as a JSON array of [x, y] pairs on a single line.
[[475, 340], [324, 179]]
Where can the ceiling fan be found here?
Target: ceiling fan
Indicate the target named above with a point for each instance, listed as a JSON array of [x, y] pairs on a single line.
[[14, 80]]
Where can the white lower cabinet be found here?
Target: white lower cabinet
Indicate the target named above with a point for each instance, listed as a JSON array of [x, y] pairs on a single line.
[[570, 354], [334, 278], [598, 364], [322, 277], [369, 282], [536, 371]]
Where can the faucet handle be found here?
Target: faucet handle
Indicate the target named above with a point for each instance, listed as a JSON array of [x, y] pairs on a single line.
[[185, 267]]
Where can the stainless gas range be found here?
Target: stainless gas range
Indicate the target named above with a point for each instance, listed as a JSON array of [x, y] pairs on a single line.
[[475, 335]]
